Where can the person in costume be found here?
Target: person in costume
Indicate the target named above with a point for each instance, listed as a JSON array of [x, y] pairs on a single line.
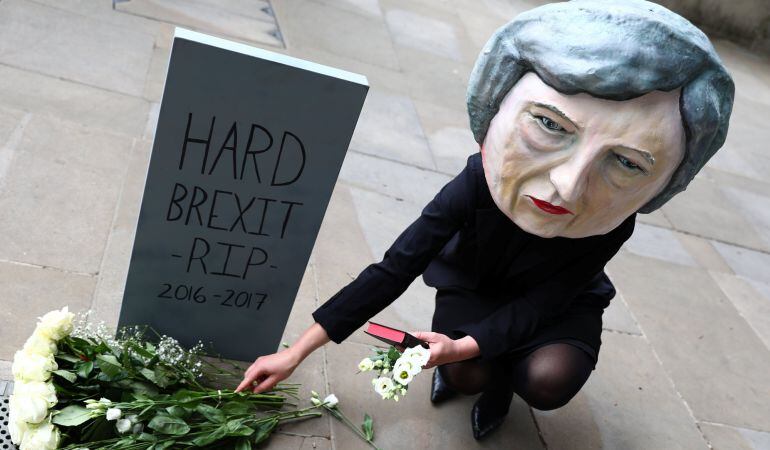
[[586, 113]]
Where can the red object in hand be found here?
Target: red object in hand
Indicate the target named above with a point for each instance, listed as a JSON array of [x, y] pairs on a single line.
[[393, 336]]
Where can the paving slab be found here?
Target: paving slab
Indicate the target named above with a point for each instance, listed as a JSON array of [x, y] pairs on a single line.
[[234, 19], [724, 437], [113, 270], [365, 8], [61, 192], [655, 218], [703, 210], [392, 178], [50, 95], [28, 293], [435, 79], [627, 403], [703, 252], [617, 317], [658, 243], [66, 45], [754, 207], [423, 33], [379, 77], [414, 422], [449, 136], [389, 128], [313, 25], [745, 262], [715, 364], [751, 299]]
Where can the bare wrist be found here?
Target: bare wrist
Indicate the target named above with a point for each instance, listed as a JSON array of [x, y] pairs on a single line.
[[466, 348]]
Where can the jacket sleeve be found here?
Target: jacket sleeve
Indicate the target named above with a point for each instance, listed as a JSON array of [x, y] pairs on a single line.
[[379, 284], [517, 320]]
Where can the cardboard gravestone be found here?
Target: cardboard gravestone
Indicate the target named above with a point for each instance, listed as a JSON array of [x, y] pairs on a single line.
[[248, 148]]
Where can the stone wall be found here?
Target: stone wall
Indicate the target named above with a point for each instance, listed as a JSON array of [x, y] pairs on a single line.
[[744, 21]]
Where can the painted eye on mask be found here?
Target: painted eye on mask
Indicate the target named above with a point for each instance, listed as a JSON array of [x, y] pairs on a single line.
[[629, 165], [549, 124]]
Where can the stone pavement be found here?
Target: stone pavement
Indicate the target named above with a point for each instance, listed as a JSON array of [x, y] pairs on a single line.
[[685, 356]]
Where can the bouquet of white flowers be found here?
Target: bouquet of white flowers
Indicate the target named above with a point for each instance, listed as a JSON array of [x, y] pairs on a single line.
[[395, 369], [77, 387]]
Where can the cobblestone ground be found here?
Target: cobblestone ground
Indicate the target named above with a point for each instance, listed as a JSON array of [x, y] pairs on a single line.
[[684, 360]]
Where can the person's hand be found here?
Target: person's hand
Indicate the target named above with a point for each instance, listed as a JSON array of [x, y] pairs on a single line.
[[267, 371], [443, 349]]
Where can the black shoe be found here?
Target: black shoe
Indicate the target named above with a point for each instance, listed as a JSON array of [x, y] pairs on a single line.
[[439, 390], [489, 411]]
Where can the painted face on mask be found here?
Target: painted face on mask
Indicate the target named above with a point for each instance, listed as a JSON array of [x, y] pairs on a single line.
[[577, 165]]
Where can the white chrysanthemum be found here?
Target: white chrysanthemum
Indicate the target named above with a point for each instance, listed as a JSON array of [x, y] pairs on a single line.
[[383, 386], [18, 428], [30, 409], [123, 426], [36, 389], [32, 367], [42, 437], [365, 365], [113, 414], [39, 345], [55, 324], [331, 400]]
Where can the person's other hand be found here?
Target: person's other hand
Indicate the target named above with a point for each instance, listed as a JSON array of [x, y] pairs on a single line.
[[443, 349], [266, 371]]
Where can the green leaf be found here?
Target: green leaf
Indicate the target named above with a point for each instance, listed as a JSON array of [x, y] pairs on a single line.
[[84, 368], [178, 411], [149, 374], [212, 414], [236, 408], [68, 358], [71, 416], [237, 428], [162, 445], [67, 375], [163, 423], [367, 427], [242, 444], [109, 365], [264, 429], [216, 435]]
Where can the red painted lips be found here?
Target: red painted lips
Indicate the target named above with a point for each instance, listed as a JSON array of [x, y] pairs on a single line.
[[549, 208]]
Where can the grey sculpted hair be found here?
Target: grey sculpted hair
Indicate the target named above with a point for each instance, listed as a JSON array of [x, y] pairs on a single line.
[[617, 50]]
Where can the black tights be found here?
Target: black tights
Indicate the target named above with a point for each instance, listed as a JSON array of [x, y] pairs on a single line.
[[546, 378]]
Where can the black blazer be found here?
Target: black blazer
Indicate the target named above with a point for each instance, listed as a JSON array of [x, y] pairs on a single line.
[[462, 240]]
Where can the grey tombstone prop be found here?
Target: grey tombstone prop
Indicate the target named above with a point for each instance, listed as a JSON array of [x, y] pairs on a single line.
[[248, 148]]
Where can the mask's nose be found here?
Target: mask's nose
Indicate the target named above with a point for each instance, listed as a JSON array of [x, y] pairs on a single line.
[[570, 177]]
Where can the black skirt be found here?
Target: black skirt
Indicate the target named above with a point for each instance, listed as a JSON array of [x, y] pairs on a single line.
[[580, 324]]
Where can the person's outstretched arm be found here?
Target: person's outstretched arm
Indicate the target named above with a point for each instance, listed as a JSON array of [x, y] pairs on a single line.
[[379, 284], [268, 370]]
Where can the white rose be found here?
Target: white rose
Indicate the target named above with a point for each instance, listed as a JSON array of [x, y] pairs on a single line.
[[55, 324], [365, 365], [32, 367], [113, 413], [383, 385], [18, 428], [42, 437], [39, 345], [331, 400], [28, 408], [123, 426], [40, 389]]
